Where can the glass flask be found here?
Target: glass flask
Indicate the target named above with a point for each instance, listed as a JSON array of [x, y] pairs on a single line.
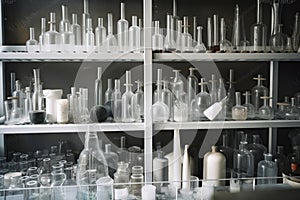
[[243, 162], [168, 99], [111, 41], [209, 34], [84, 116], [127, 104], [112, 160], [289, 46], [70, 191], [213, 90], [31, 44], [73, 105], [257, 149], [278, 39], [160, 110], [134, 36], [236, 32], [42, 35], [169, 43], [157, 39], [58, 179], [203, 99], [192, 90], [281, 160], [76, 30], [216, 46], [122, 151], [281, 110], [180, 103], [100, 35], [117, 101], [64, 19], [200, 47], [52, 37], [225, 45], [267, 168], [89, 36], [249, 106], [186, 38], [98, 87], [266, 111], [296, 33], [27, 104], [228, 153], [109, 91], [138, 102], [294, 112], [32, 191], [178, 37], [122, 25], [239, 112], [121, 177], [91, 166], [258, 91]]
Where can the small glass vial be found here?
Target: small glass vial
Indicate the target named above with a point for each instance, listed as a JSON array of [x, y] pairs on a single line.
[[127, 114], [200, 47], [111, 41], [239, 112], [31, 44], [89, 37], [100, 35], [267, 168], [52, 37], [122, 26], [157, 39], [117, 101], [266, 111], [249, 106], [134, 36], [76, 30], [138, 103], [186, 38], [169, 43]]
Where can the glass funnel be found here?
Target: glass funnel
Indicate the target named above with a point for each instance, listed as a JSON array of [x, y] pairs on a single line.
[[134, 36], [258, 91], [200, 47], [266, 111], [203, 99], [31, 44], [239, 112], [267, 168], [100, 35], [127, 104], [225, 45], [138, 102], [278, 39], [111, 41], [186, 38], [249, 106], [52, 37], [169, 43], [122, 29], [157, 39]]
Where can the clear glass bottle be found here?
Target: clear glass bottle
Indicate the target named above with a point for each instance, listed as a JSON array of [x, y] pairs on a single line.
[[157, 39], [209, 34], [73, 105], [91, 166], [109, 91], [213, 90], [138, 102], [178, 37], [111, 41], [134, 36], [76, 30], [200, 46], [32, 191], [266, 111], [27, 104], [296, 33], [142, 34], [45, 179], [89, 36], [98, 88], [84, 110], [167, 98], [85, 16], [267, 168], [236, 32], [15, 188], [216, 46], [243, 162], [52, 37], [192, 90], [203, 99], [64, 19], [258, 91], [117, 101], [127, 114], [122, 151], [31, 44], [225, 45], [186, 38], [278, 40], [160, 110], [221, 90], [177, 85], [66, 35], [100, 35], [249, 106], [58, 179], [112, 160], [180, 103], [281, 110], [160, 169], [121, 177], [294, 112], [19, 95], [70, 191], [42, 35], [228, 153], [169, 43], [239, 112], [281, 160], [122, 26]]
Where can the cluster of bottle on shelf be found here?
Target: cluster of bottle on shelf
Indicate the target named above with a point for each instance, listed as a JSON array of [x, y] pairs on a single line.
[[73, 37], [175, 104]]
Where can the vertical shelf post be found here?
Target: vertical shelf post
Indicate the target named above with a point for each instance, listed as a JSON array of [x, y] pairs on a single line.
[[2, 83]]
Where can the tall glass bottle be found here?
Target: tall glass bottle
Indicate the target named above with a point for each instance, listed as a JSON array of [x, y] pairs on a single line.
[[64, 19], [91, 166], [168, 99], [192, 89], [157, 39], [296, 33], [236, 33], [100, 35], [108, 96], [127, 114], [121, 177], [203, 99], [225, 45], [267, 168], [89, 36], [228, 153], [111, 41], [266, 111], [258, 91], [112, 160], [84, 110], [98, 87], [239, 112], [117, 101], [169, 43], [138, 103], [134, 36], [37, 96], [178, 38], [209, 34], [186, 38], [42, 35], [52, 37], [31, 44], [221, 90], [243, 162], [213, 90], [27, 104], [122, 151], [122, 30], [216, 46], [160, 110], [76, 30], [67, 37], [85, 16], [259, 31], [278, 39], [45, 179], [200, 47], [73, 105], [249, 106]]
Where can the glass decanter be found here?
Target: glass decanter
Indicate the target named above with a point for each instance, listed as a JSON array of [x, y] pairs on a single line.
[[236, 32], [160, 110], [127, 104], [91, 166], [178, 38], [117, 101], [225, 45], [64, 22], [168, 98], [191, 90], [228, 153], [266, 111], [209, 34], [98, 87], [296, 33], [112, 160], [100, 35], [134, 36], [122, 30], [186, 38], [281, 160], [111, 41], [278, 39], [239, 112], [31, 44], [121, 177], [200, 47], [108, 96], [267, 168], [216, 46], [203, 99], [70, 191], [76, 30], [157, 39], [294, 112], [122, 151], [89, 36], [249, 106], [138, 103], [42, 35], [213, 90], [52, 37], [169, 43], [258, 91], [243, 162]]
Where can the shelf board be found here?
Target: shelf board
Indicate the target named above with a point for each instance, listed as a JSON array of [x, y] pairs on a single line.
[[169, 57], [227, 124], [69, 128]]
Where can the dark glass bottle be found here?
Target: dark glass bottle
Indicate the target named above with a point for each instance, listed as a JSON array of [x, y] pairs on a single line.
[[228, 153], [281, 160]]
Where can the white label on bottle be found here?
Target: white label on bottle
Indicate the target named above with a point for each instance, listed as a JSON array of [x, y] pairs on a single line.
[[121, 193], [15, 197]]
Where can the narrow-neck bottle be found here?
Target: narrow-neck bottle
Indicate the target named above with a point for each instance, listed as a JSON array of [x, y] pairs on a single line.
[[200, 47], [249, 106], [231, 89], [84, 110], [216, 44], [186, 38], [73, 106], [67, 38], [89, 36], [52, 37], [31, 44], [236, 33], [209, 34], [100, 35], [85, 16], [111, 41], [167, 98], [221, 90], [127, 114], [122, 151], [109, 91], [76, 30], [112, 160], [117, 100], [27, 104], [213, 90], [134, 36], [64, 23], [122, 25], [267, 168], [225, 45], [42, 35], [138, 103], [98, 87], [243, 162], [266, 111], [179, 33], [192, 90], [258, 91], [70, 191], [239, 112], [19, 94], [296, 33], [37, 97], [169, 43], [203, 99], [157, 39]]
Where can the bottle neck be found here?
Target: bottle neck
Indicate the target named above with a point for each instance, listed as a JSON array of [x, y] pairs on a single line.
[[268, 157], [247, 99], [156, 28], [64, 13], [68, 172], [200, 29], [259, 12], [117, 85], [122, 10], [238, 98], [74, 18], [123, 142], [223, 30], [32, 35], [109, 24], [134, 21], [275, 9], [43, 25], [91, 141], [52, 26]]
